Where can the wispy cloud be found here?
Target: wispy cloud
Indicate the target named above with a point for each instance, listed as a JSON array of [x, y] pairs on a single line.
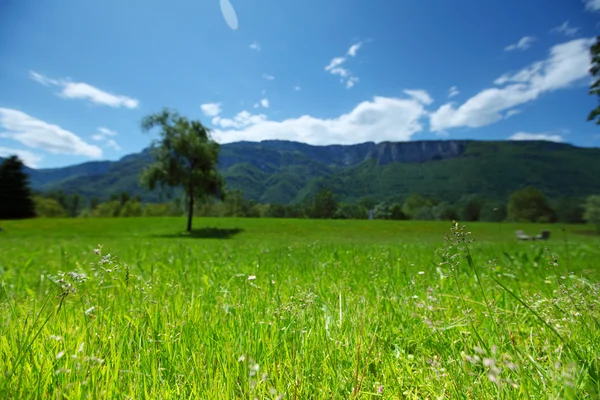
[[255, 46], [268, 77], [537, 136], [381, 119], [211, 109], [565, 29], [84, 91], [30, 159], [523, 44], [335, 67], [104, 136], [354, 48], [265, 103], [511, 113], [567, 64], [592, 5], [38, 134], [420, 95], [453, 91], [296, 88]]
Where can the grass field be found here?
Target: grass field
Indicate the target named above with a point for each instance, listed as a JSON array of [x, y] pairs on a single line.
[[296, 309]]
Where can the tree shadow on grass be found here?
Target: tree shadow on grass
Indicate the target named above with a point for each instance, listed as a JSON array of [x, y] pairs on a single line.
[[204, 233]]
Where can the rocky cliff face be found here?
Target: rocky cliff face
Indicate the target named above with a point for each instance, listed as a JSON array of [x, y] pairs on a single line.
[[383, 153]]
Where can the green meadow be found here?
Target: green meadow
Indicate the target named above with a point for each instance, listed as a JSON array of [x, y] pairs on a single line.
[[133, 308]]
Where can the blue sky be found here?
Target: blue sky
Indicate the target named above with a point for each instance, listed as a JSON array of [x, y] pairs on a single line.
[[77, 77]]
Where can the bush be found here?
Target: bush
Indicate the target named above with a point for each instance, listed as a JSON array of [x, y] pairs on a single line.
[[530, 205], [131, 209], [108, 209], [49, 208]]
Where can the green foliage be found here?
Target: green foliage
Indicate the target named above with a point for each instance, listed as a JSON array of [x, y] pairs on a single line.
[[324, 205], [382, 211], [288, 172], [595, 86], [470, 207], [493, 211], [446, 212], [592, 210], [185, 157], [529, 205], [108, 209], [162, 210], [131, 208], [350, 211], [15, 195], [425, 213], [413, 204], [568, 210], [396, 212], [49, 208]]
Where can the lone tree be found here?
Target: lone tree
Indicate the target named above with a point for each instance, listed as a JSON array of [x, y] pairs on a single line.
[[595, 71], [186, 157], [15, 195]]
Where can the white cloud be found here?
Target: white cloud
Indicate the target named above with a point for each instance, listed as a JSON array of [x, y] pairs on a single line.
[[523, 44], [241, 120], [335, 67], [43, 79], [354, 48], [565, 29], [536, 136], [113, 144], [211, 109], [566, 64], [420, 95], [265, 103], [255, 46], [36, 133], [351, 82], [84, 91], [107, 132], [453, 91], [30, 159], [381, 119], [511, 113], [592, 5], [296, 88], [256, 105], [268, 77], [104, 135]]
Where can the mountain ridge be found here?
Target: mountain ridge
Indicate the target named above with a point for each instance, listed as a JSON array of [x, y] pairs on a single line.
[[286, 171]]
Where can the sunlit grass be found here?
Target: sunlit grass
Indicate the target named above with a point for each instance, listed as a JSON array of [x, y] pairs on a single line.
[[295, 309]]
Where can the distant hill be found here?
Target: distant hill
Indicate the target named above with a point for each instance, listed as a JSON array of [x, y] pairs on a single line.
[[285, 172]]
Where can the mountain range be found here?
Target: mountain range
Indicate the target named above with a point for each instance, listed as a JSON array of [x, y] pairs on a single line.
[[286, 172]]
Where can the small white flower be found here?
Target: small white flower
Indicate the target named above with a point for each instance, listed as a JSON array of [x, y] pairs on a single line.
[[421, 272], [489, 362], [252, 277]]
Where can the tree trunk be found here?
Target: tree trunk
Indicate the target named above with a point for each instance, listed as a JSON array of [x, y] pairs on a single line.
[[191, 211]]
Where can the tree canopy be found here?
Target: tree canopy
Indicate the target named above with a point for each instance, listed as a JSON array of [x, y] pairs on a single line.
[[595, 86], [529, 205], [15, 195], [185, 156]]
